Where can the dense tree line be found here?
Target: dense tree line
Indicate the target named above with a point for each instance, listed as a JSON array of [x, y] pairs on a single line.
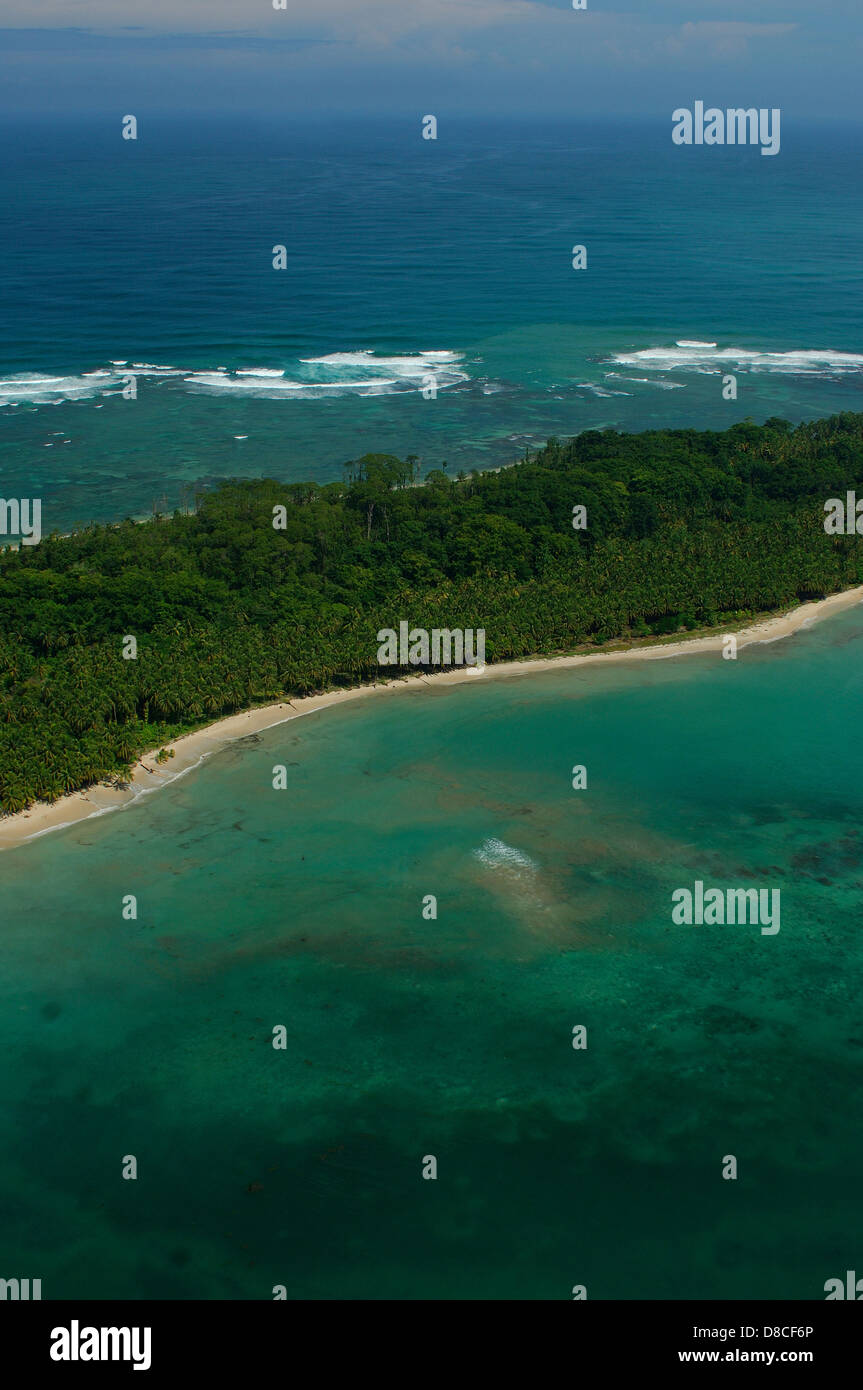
[[684, 529]]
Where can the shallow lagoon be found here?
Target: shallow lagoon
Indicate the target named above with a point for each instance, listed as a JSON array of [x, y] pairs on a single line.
[[408, 1037]]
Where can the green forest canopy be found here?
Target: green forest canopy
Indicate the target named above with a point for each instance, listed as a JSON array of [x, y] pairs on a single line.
[[685, 528]]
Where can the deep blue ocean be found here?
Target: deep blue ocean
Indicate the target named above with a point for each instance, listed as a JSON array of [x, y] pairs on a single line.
[[428, 304]]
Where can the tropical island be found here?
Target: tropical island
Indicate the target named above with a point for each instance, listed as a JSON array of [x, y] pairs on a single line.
[[269, 591]]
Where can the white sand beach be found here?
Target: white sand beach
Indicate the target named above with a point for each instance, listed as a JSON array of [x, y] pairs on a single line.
[[191, 749]]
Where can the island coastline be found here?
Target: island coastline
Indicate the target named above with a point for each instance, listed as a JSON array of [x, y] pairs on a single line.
[[188, 751], [191, 749]]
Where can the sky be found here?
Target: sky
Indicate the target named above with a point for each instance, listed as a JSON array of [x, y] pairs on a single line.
[[412, 57]]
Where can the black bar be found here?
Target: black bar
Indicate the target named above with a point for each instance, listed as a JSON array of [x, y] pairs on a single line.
[[305, 1342]]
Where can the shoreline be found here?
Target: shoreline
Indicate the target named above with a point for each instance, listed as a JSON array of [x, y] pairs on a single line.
[[192, 749]]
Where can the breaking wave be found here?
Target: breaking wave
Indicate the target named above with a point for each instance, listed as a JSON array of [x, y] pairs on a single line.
[[359, 373], [708, 358], [497, 854]]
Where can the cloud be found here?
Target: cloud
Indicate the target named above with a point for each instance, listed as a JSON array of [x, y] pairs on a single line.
[[755, 11], [720, 38], [376, 21]]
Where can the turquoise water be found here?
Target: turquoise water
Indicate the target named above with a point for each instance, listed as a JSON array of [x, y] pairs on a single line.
[[452, 1038], [158, 255]]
